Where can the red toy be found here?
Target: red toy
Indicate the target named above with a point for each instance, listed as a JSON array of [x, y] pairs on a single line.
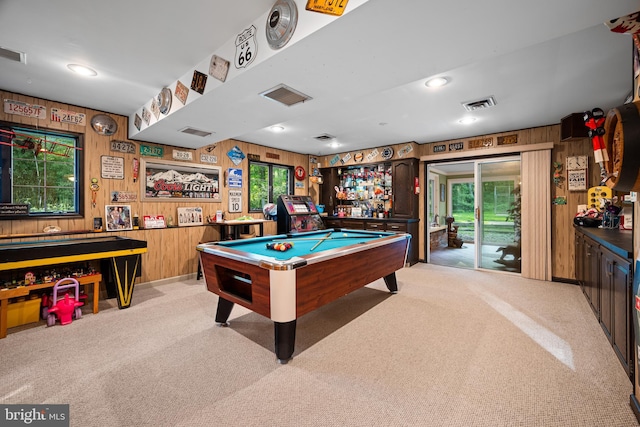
[[66, 307]]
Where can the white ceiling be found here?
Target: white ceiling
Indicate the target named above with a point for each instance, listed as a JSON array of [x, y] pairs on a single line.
[[365, 71]]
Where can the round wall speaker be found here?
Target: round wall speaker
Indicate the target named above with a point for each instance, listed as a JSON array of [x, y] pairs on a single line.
[[281, 23]]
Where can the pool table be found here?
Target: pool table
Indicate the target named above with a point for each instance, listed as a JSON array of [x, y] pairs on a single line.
[[321, 267]]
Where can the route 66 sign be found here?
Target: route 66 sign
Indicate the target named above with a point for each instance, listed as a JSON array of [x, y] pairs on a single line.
[[246, 47]]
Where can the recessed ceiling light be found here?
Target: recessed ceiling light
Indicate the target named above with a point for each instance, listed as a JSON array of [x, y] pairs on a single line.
[[277, 128], [334, 144], [467, 120], [436, 82], [82, 70]]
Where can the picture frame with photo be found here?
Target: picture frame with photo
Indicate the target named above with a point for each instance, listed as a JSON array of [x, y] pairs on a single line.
[[118, 217]]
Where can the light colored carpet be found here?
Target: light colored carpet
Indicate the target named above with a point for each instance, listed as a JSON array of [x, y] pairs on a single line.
[[453, 348]]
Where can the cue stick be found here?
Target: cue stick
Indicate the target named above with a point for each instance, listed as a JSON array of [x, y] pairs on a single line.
[[325, 238], [321, 240]]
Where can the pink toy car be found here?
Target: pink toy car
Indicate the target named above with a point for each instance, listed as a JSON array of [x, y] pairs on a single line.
[[68, 306]]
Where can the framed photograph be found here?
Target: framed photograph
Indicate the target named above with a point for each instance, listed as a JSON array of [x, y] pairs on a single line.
[[190, 216], [165, 180], [118, 217]]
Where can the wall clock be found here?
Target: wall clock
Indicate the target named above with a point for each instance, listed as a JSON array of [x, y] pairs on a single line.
[[281, 23], [577, 162]]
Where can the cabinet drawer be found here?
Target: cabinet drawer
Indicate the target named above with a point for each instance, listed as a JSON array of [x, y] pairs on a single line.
[[368, 225], [398, 227], [352, 225], [332, 223]]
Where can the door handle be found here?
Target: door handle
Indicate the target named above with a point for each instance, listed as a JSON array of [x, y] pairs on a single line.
[[478, 213]]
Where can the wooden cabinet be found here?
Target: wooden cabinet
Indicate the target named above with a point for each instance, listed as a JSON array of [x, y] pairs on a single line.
[[409, 226], [396, 179], [405, 203], [327, 191], [605, 277], [615, 301]]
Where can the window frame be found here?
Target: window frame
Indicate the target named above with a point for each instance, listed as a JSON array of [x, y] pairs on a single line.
[[6, 173], [271, 166]]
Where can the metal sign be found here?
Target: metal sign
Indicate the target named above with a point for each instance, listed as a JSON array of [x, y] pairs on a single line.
[[112, 167], [24, 109], [246, 47], [329, 7], [65, 116], [123, 146], [234, 178], [182, 155], [147, 150], [235, 201]]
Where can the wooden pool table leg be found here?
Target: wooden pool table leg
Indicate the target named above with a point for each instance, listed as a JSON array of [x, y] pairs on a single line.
[[391, 283], [285, 340], [223, 312]]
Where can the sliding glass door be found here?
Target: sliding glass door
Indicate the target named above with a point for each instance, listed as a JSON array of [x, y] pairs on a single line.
[[498, 214], [477, 203]]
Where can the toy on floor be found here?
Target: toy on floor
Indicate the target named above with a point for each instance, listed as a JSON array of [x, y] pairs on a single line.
[[64, 309]]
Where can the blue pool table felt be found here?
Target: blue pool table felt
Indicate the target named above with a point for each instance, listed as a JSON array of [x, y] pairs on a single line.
[[303, 243]]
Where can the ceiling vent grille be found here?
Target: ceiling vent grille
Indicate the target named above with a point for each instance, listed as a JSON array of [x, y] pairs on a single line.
[[13, 55], [324, 137], [285, 95], [479, 104], [196, 132]]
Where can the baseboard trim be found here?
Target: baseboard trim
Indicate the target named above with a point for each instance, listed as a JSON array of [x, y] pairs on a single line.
[[635, 406]]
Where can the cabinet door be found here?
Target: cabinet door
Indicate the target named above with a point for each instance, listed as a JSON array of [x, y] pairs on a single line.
[[592, 274], [404, 200], [606, 294], [621, 303], [327, 191], [579, 259]]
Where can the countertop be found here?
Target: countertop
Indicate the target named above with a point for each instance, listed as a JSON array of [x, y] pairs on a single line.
[[359, 218], [617, 241]]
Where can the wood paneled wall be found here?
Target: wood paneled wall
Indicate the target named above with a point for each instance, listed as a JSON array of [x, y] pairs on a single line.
[[562, 234], [171, 251]]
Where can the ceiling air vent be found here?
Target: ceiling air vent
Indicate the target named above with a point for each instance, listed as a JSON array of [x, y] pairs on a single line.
[[13, 55], [324, 137], [196, 132], [480, 104], [285, 95]]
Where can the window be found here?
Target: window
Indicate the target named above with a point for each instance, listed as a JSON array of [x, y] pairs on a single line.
[[41, 168], [267, 182]]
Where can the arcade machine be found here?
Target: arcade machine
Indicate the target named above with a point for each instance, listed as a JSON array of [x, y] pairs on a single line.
[[297, 214]]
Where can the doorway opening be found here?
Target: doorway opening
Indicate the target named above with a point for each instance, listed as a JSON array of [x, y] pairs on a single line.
[[474, 216]]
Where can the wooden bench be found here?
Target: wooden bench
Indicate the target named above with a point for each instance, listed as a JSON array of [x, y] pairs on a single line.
[[22, 291]]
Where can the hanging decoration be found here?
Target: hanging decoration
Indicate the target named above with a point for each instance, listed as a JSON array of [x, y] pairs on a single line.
[[94, 191]]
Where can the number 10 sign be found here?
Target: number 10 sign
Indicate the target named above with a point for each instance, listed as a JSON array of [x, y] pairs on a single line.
[[235, 201]]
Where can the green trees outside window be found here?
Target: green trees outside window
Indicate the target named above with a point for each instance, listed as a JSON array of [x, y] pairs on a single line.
[[267, 182], [41, 169]]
